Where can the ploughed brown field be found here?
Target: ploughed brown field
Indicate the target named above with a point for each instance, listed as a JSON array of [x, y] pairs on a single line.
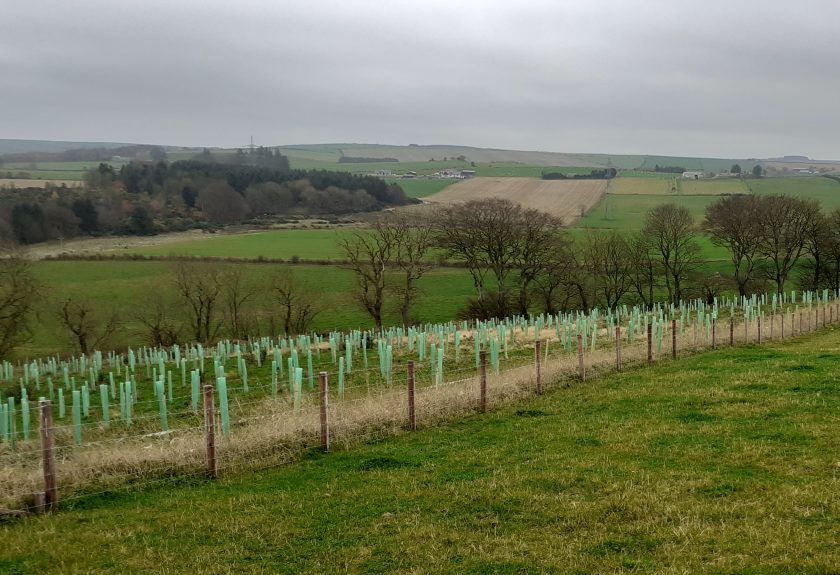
[[568, 199]]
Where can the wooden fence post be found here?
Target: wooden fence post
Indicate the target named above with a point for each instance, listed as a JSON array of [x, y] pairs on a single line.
[[759, 330], [650, 343], [783, 326], [412, 421], [210, 430], [714, 332], [617, 348], [772, 324], [673, 339], [537, 347], [325, 422], [47, 440], [581, 367], [731, 331]]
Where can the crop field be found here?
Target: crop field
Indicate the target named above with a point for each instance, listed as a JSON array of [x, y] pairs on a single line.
[[420, 188], [642, 186], [712, 187], [566, 199], [722, 462]]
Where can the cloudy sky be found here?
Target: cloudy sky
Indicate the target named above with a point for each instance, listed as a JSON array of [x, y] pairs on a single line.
[[728, 78]]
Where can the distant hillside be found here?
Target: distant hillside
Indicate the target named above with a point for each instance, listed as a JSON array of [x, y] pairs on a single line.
[[332, 153], [18, 146]]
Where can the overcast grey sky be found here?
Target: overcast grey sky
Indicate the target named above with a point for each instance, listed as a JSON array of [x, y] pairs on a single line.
[[703, 77]]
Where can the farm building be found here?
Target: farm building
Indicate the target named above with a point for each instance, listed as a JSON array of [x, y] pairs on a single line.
[[383, 173], [692, 175], [467, 174]]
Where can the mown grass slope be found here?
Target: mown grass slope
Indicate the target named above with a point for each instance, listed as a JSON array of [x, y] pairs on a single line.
[[725, 462]]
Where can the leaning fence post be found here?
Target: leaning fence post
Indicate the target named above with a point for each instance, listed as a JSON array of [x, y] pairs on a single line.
[[325, 422], [617, 348], [412, 421], [210, 430], [650, 343], [47, 431], [581, 367], [537, 346], [673, 339]]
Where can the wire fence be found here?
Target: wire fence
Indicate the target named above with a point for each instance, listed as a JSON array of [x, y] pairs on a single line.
[[50, 466]]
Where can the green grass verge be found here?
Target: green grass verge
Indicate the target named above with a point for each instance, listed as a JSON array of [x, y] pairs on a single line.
[[724, 462]]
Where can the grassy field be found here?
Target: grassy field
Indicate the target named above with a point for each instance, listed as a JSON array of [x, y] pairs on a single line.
[[724, 462], [640, 185], [127, 286], [826, 191], [283, 244], [712, 187], [627, 212]]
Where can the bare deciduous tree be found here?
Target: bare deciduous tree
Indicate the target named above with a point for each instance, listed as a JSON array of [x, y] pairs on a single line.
[[237, 292], [785, 223], [368, 255], [19, 292], [644, 268], [89, 326], [671, 232], [502, 239], [298, 306], [159, 320], [733, 222], [606, 257], [413, 237], [200, 289]]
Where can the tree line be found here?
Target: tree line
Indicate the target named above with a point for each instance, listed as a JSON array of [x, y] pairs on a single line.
[[144, 198], [520, 261], [523, 261]]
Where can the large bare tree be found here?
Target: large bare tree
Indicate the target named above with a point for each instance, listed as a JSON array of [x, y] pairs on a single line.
[[670, 230], [90, 326], [297, 305], [199, 288], [733, 222], [238, 291], [369, 254], [19, 293], [500, 239], [605, 256], [785, 222], [413, 238]]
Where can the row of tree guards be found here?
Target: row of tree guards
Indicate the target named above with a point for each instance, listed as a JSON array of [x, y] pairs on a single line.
[[109, 396]]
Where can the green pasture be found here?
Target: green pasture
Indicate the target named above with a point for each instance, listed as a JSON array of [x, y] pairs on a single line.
[[627, 211], [721, 463], [635, 185], [320, 244], [824, 190], [711, 187], [128, 287]]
